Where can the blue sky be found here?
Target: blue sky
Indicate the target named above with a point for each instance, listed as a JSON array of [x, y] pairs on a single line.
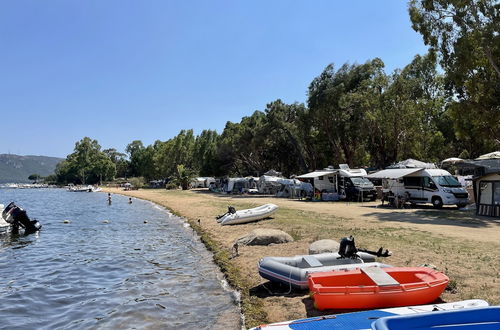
[[118, 71]]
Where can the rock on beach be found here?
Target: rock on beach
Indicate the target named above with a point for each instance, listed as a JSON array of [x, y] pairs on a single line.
[[264, 237]]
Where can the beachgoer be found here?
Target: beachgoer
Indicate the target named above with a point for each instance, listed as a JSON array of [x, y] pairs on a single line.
[[109, 198], [130, 200]]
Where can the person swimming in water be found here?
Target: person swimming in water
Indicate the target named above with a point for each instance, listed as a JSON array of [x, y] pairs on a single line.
[[130, 200], [109, 198]]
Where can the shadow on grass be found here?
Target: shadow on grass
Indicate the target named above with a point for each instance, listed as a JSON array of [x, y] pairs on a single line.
[[273, 289], [311, 311], [426, 214]]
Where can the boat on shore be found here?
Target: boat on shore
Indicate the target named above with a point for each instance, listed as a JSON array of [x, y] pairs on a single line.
[[233, 217], [363, 320], [471, 318], [295, 270], [88, 188], [376, 287]]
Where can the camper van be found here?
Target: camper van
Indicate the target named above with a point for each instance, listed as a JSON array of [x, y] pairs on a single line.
[[350, 184], [420, 185]]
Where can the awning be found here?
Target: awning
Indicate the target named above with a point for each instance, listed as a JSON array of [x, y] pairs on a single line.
[[315, 174], [393, 173]]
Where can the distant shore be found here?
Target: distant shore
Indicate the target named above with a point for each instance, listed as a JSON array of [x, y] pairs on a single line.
[[457, 242]]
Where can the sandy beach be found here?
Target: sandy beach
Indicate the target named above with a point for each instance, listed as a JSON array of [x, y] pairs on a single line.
[[457, 242]]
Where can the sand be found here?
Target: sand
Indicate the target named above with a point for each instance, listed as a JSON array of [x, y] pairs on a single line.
[[457, 242]]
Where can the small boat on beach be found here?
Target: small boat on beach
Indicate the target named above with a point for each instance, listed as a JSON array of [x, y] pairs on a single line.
[[376, 287], [470, 318], [295, 270], [363, 320], [233, 217], [88, 188]]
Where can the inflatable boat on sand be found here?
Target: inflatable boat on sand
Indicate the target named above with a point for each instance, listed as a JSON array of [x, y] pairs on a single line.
[[295, 270], [233, 217]]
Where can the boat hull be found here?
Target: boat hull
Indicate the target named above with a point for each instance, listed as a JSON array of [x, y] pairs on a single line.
[[353, 289], [473, 318], [248, 215], [363, 320]]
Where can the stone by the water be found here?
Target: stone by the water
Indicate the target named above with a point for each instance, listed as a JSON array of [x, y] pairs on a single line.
[[264, 237]]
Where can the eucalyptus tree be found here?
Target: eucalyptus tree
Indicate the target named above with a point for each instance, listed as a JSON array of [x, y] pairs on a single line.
[[120, 161], [404, 113], [466, 35], [173, 152], [337, 102], [287, 137], [87, 164], [204, 152]]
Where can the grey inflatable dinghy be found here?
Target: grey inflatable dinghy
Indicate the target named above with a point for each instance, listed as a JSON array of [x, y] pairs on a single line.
[[293, 271]]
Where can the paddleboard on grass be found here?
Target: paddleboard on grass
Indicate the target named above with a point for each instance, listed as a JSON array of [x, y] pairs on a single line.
[[484, 318], [363, 320]]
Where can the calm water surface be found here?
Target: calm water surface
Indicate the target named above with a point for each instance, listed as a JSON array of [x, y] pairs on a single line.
[[89, 274]]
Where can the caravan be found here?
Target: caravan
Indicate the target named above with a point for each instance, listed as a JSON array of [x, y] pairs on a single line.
[[422, 185], [344, 183]]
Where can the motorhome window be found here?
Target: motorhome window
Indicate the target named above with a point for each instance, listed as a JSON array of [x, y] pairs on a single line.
[[412, 181], [360, 180], [428, 183], [320, 178], [447, 181], [330, 178]]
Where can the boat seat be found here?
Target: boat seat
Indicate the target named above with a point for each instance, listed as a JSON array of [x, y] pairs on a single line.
[[311, 261], [379, 276]]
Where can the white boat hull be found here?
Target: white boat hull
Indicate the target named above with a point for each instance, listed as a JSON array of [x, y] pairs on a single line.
[[248, 215]]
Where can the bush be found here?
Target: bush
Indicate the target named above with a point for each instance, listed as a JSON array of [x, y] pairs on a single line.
[[137, 183], [171, 186]]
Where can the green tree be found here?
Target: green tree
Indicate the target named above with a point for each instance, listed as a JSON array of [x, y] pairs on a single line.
[[34, 177], [337, 102], [120, 161], [87, 164], [466, 35], [404, 113]]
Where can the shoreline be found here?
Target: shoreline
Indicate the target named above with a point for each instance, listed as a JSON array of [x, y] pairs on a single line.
[[459, 243]]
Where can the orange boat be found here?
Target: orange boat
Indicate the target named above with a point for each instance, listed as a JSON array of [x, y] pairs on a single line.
[[376, 287]]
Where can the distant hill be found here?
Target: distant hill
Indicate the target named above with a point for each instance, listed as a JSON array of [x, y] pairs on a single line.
[[17, 169]]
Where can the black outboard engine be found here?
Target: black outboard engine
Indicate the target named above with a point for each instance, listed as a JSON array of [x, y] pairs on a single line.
[[17, 217], [347, 248]]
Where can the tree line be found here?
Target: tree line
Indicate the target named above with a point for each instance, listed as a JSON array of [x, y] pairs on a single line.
[[445, 103]]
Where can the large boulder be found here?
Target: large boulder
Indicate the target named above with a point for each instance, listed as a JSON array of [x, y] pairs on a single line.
[[264, 237], [324, 246]]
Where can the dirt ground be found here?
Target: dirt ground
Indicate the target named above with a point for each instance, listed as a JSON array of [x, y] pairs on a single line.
[[457, 242]]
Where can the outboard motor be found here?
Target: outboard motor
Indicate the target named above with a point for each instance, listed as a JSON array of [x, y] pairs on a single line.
[[347, 248], [17, 217]]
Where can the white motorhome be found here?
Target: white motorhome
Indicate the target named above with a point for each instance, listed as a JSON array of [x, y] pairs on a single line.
[[347, 183], [422, 185]]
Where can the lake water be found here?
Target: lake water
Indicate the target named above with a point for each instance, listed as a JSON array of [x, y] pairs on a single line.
[[122, 274]]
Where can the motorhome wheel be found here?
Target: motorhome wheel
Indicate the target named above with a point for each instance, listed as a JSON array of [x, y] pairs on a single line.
[[437, 202]]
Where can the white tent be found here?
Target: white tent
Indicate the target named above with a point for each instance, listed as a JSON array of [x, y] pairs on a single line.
[[491, 155], [412, 163]]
